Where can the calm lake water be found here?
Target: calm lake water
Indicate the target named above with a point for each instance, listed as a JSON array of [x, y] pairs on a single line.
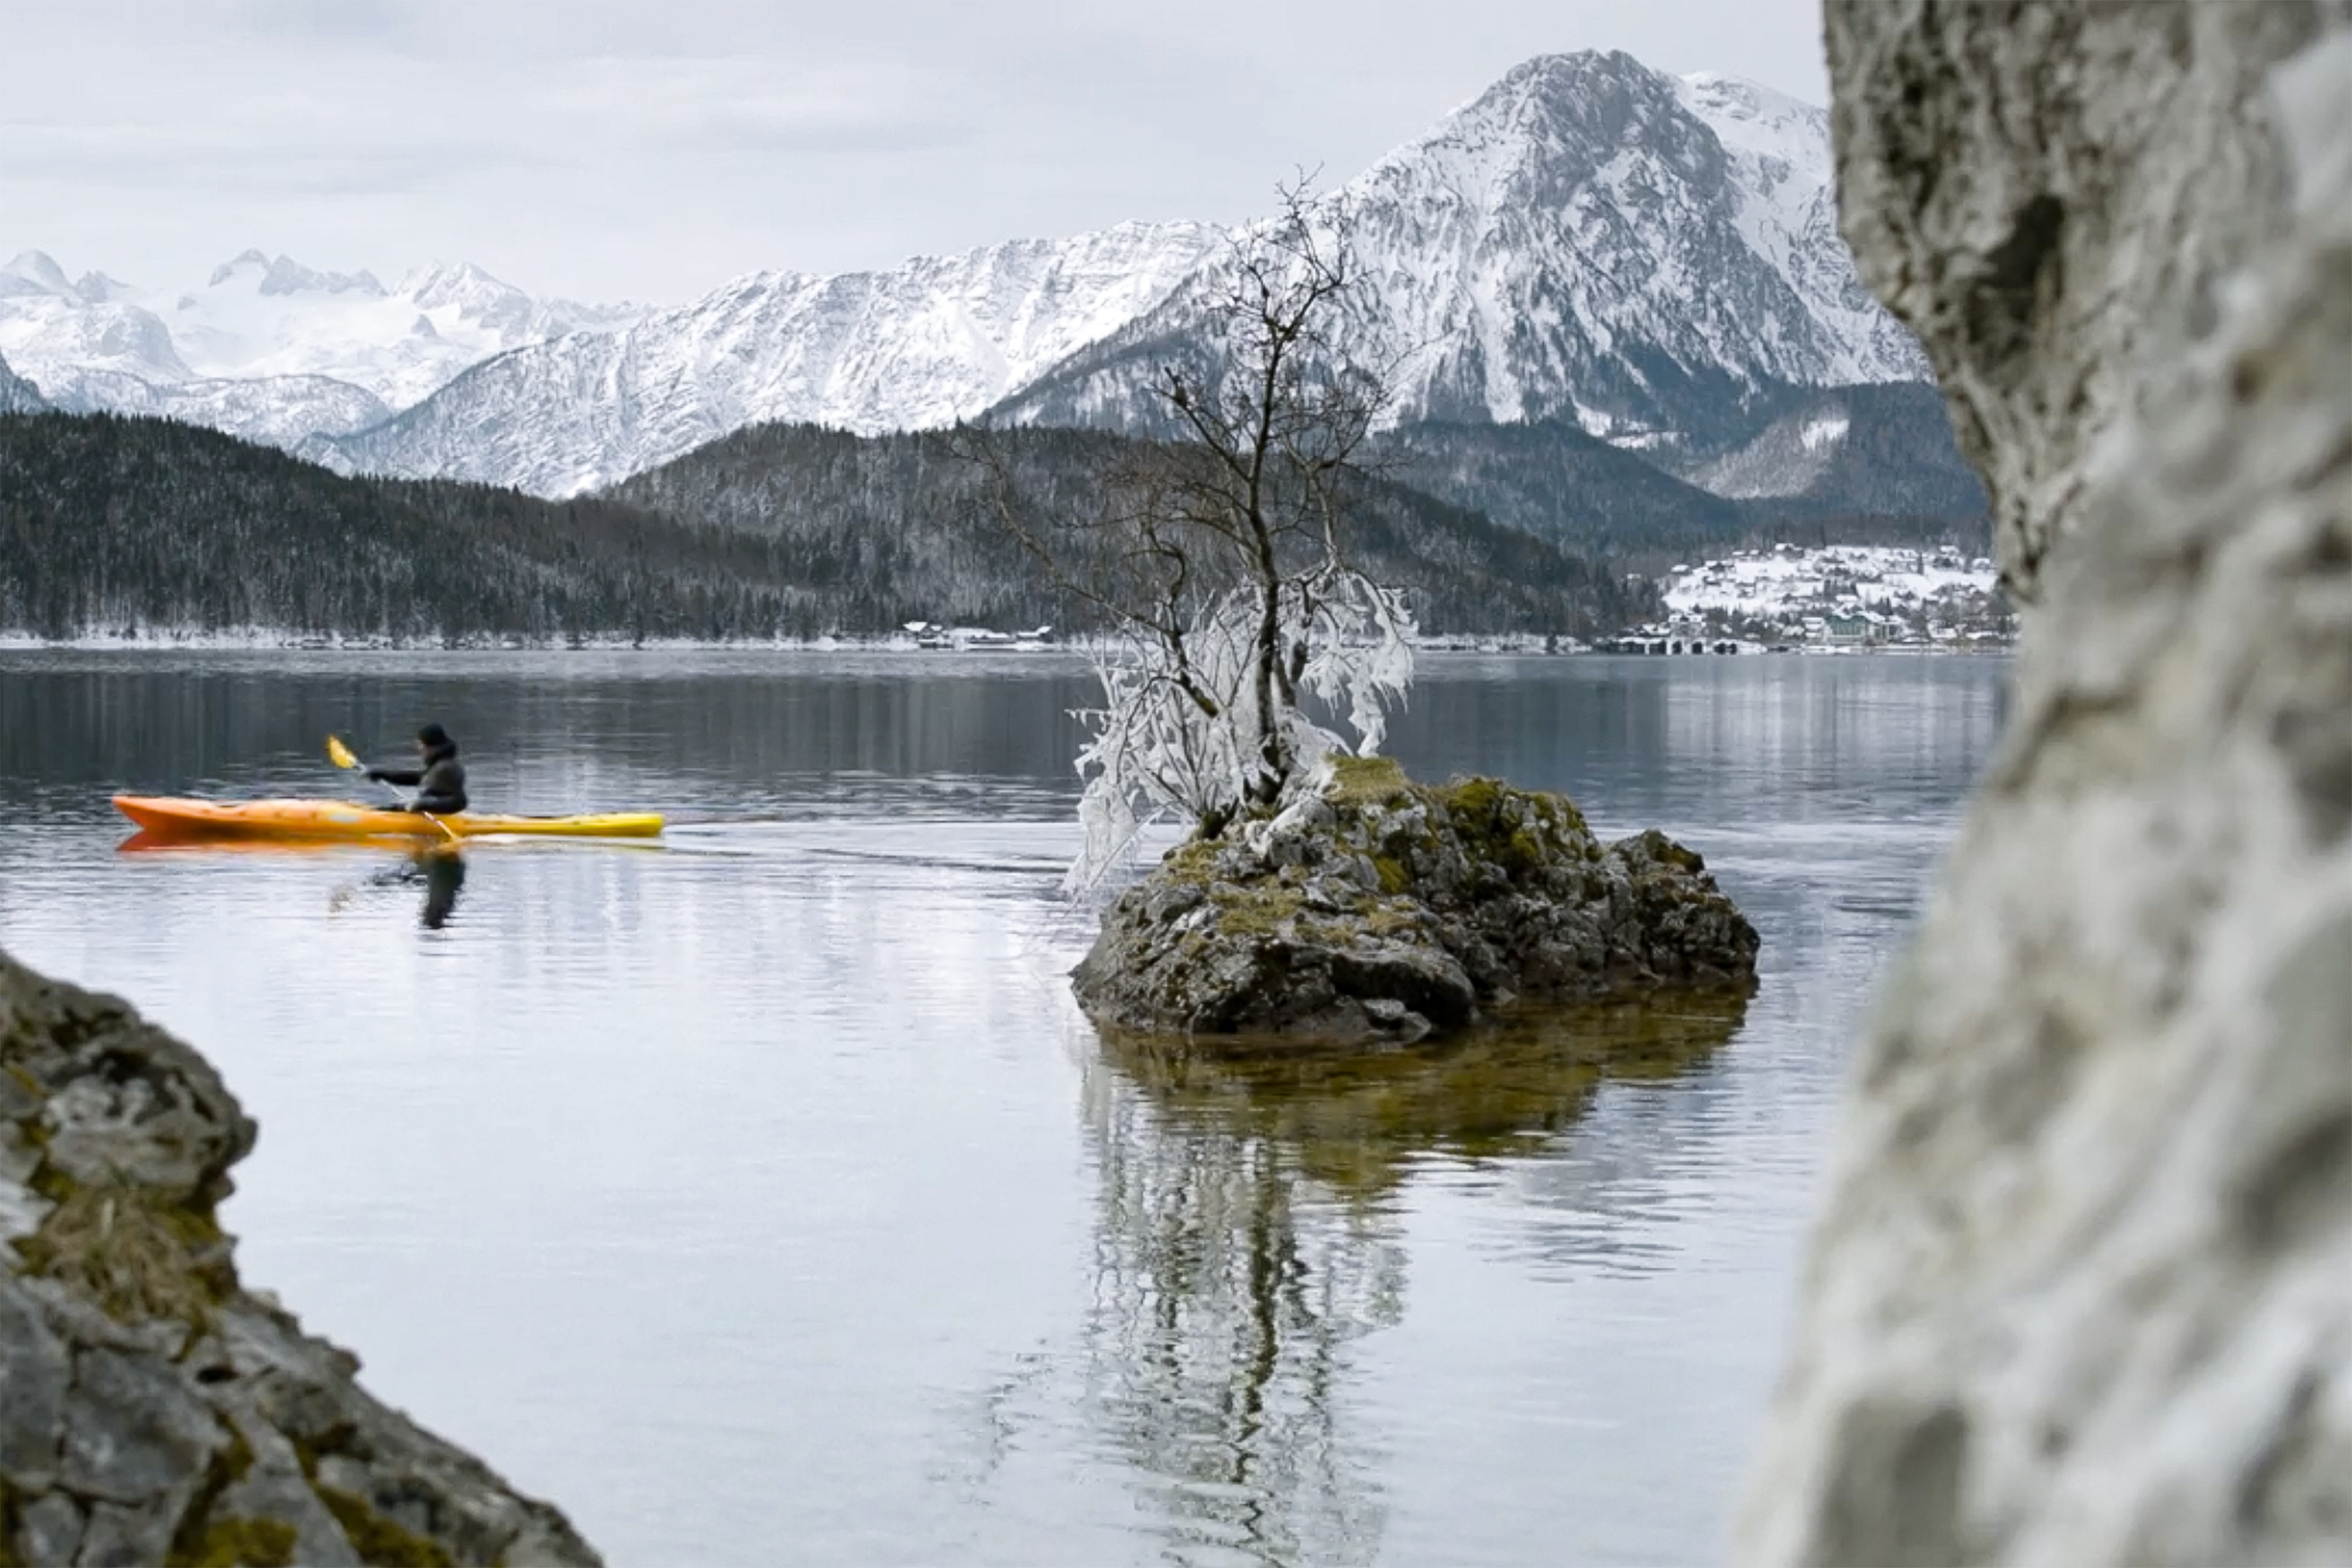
[[762, 1197]]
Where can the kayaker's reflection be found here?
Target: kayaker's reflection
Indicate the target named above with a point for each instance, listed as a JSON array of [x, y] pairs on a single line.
[[441, 871], [445, 874], [438, 867]]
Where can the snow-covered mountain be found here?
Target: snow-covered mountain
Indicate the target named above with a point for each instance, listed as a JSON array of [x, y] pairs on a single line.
[[278, 410], [1588, 240], [268, 349], [1653, 260], [19, 396], [922, 345]]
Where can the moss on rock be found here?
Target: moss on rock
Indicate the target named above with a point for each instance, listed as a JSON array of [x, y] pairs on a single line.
[[381, 1540], [1365, 781], [1385, 909], [137, 1252], [243, 1543]]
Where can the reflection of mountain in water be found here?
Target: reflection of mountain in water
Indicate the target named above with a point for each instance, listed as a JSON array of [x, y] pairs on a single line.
[[1247, 1234]]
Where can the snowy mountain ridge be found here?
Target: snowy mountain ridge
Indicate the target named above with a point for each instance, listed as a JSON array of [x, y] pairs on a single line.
[[918, 345], [269, 348]]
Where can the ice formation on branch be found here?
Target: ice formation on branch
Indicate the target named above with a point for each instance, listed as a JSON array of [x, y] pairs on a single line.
[[1156, 752]]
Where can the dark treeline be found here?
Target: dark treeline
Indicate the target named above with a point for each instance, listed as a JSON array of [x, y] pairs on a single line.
[[110, 524], [905, 524]]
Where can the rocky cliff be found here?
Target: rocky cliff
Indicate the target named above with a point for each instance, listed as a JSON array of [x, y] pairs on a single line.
[[151, 1408], [19, 396], [2081, 1291], [1382, 910]]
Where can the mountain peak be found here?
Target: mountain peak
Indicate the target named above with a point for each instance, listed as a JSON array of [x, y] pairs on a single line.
[[287, 276], [243, 259], [1586, 75], [1567, 113], [1749, 117], [460, 283], [99, 289], [39, 270], [1588, 240], [1571, 65], [1739, 93]]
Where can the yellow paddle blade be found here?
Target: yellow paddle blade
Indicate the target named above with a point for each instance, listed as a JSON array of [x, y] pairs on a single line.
[[339, 753]]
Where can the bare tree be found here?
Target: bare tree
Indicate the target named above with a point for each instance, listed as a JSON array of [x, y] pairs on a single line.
[[1219, 557]]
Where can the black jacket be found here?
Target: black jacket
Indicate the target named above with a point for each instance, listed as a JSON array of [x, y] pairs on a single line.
[[440, 783]]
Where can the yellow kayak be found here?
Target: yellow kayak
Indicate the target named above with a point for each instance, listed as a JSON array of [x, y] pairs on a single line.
[[173, 818]]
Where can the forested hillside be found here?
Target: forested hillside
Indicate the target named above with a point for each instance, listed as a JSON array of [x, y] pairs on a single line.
[[902, 526], [110, 524], [1859, 465], [1551, 480]]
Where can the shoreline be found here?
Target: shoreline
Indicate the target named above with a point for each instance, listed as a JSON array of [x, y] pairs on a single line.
[[262, 640]]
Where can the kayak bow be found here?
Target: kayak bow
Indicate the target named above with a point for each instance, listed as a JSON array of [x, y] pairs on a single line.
[[177, 818]]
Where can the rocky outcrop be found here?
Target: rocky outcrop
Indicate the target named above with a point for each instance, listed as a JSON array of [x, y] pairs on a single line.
[[153, 1410], [1386, 910], [2081, 1291]]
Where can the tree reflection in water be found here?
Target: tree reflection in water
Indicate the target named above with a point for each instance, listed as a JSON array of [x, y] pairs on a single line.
[[1248, 1233]]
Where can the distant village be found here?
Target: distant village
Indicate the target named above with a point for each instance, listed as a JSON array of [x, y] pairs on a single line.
[[1839, 597], [933, 634], [1786, 599]]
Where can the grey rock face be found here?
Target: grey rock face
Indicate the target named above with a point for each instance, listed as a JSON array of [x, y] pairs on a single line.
[[19, 396], [134, 1429], [150, 1408], [2055, 237], [1389, 910], [2081, 1293]]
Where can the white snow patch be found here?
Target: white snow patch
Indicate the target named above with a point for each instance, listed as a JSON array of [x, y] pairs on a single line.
[[1822, 431]]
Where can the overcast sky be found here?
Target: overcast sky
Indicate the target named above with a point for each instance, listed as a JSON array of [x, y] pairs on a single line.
[[649, 149]]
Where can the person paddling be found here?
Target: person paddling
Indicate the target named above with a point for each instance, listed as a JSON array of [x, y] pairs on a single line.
[[439, 782]]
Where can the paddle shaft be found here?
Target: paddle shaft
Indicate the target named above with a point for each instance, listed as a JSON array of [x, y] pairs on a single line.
[[343, 758]]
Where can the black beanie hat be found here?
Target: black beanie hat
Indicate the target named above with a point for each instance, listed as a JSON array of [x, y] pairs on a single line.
[[434, 737]]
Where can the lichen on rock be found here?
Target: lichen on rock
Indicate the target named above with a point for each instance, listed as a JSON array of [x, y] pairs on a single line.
[[152, 1409], [1382, 910]]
